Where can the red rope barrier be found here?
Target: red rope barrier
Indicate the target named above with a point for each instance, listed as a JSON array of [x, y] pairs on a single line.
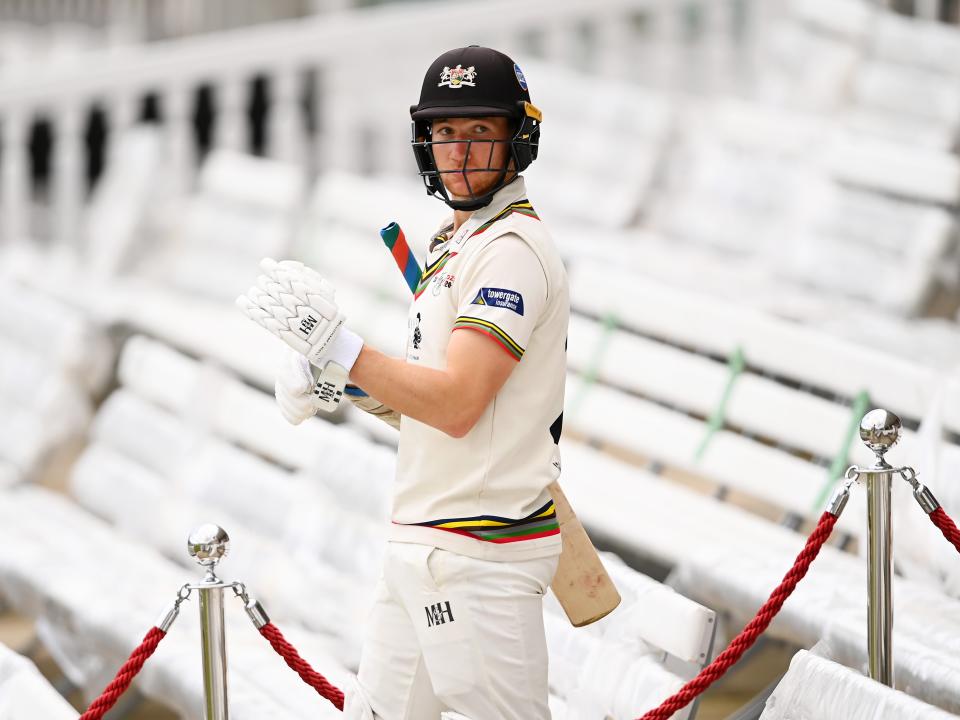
[[742, 642], [301, 666], [125, 675], [947, 526]]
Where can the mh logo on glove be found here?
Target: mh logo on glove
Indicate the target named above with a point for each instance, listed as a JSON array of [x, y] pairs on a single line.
[[307, 324], [328, 391]]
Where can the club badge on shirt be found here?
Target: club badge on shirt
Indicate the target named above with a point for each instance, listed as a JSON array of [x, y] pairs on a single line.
[[501, 298], [443, 281], [415, 337]]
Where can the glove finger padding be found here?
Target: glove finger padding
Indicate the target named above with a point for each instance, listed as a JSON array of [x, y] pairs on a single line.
[[293, 292], [263, 309], [295, 278], [290, 271], [296, 304]]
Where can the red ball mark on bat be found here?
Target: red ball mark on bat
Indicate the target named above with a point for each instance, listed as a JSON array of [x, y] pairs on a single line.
[[593, 584]]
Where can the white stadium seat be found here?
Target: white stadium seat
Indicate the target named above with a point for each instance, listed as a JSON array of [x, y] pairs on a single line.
[[60, 332], [730, 560], [48, 372], [847, 18], [718, 327], [924, 651], [254, 491], [121, 201], [293, 583], [890, 87], [24, 693], [632, 660], [96, 592], [911, 42], [816, 689]]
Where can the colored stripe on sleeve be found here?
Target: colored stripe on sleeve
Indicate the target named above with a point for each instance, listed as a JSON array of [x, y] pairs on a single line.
[[491, 329]]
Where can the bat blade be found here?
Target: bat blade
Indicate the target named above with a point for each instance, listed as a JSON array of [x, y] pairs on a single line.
[[583, 588]]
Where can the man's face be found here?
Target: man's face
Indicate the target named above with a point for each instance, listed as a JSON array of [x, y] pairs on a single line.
[[458, 155]]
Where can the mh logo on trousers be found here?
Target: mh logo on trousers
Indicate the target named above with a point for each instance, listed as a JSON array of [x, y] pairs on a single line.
[[439, 614]]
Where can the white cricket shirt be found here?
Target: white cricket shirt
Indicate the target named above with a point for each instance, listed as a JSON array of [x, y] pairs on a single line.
[[484, 495]]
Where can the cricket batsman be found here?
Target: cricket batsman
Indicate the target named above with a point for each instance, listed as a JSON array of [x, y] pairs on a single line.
[[457, 623]]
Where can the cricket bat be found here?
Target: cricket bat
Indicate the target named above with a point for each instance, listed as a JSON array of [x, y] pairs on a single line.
[[583, 588]]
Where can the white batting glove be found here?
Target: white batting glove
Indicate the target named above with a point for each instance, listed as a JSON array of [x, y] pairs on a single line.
[[297, 305], [301, 389]]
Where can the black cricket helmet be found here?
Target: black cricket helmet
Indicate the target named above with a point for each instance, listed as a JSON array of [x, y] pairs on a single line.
[[474, 81]]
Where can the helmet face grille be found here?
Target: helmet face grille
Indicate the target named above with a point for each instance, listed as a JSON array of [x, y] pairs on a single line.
[[523, 147]]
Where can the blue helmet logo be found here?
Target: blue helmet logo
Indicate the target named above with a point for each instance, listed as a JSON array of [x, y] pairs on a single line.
[[520, 78]]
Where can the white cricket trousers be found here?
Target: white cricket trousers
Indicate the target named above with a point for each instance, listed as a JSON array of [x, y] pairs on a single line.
[[450, 632]]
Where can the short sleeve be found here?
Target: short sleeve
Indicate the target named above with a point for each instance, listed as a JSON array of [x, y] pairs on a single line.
[[503, 292]]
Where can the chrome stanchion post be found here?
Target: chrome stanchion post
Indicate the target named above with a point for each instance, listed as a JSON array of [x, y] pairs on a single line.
[[879, 430], [208, 544]]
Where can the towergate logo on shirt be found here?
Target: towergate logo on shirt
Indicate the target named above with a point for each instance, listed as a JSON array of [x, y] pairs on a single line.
[[501, 298]]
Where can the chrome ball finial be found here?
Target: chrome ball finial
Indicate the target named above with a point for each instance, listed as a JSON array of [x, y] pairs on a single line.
[[880, 430], [208, 544]]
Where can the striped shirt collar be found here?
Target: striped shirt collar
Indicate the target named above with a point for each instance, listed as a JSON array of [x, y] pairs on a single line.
[[504, 197]]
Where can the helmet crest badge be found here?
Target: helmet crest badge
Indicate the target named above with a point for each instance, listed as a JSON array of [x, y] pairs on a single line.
[[458, 77]]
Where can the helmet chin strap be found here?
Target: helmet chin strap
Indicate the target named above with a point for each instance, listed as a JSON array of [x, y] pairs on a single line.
[[470, 205], [475, 203]]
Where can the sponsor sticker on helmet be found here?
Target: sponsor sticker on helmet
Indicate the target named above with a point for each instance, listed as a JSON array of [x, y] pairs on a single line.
[[520, 78], [458, 77], [501, 298]]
